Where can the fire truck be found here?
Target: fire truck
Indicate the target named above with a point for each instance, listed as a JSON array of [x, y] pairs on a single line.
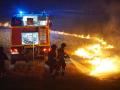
[[28, 36]]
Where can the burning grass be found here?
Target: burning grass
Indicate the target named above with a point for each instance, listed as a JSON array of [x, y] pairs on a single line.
[[102, 63], [96, 58]]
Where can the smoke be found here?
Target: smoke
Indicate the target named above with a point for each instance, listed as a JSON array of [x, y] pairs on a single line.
[[111, 29], [98, 19]]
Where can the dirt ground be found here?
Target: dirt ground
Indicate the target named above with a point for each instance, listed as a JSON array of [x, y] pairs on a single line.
[[35, 76]]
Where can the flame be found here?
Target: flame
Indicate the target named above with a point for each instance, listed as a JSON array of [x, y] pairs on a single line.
[[102, 66], [83, 53], [82, 68], [89, 52], [74, 35], [96, 61]]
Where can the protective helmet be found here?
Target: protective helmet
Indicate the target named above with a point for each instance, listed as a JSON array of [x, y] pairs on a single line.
[[53, 46], [63, 45]]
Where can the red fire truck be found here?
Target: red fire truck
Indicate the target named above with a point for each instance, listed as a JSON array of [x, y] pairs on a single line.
[[28, 36]]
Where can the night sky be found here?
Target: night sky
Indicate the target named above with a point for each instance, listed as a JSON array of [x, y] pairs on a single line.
[[10, 7], [65, 13]]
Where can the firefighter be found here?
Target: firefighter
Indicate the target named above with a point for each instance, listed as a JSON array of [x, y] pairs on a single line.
[[61, 58], [2, 63], [52, 63]]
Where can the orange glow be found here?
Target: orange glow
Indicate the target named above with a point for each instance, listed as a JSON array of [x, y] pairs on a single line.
[[80, 67], [14, 51], [83, 53], [44, 49], [6, 24], [104, 66], [90, 51], [97, 60], [101, 65], [0, 24], [74, 35]]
